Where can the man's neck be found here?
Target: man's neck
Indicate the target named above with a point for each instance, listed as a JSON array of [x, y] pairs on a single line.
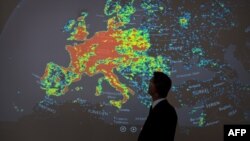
[[156, 97]]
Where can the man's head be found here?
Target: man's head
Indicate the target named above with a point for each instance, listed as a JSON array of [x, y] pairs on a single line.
[[160, 85]]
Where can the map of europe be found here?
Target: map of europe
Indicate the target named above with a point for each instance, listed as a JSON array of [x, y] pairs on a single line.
[[146, 36], [105, 51]]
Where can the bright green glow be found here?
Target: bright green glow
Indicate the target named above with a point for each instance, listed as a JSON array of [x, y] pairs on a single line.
[[125, 13], [161, 8], [203, 63], [135, 43], [57, 79], [202, 121], [198, 51], [69, 25], [121, 14], [148, 7], [183, 22], [99, 86]]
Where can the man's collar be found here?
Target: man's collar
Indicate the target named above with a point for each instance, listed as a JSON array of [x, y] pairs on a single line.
[[157, 101]]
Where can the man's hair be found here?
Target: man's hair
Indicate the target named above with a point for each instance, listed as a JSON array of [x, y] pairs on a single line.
[[162, 83]]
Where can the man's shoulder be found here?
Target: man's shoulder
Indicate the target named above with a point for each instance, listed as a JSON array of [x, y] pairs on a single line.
[[165, 106], [164, 110], [165, 103]]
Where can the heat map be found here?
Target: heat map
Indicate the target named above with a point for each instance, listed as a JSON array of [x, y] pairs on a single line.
[[113, 49]]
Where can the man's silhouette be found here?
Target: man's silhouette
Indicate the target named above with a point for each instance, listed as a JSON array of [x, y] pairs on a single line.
[[162, 119]]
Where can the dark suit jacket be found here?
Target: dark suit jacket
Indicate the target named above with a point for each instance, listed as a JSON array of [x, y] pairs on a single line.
[[160, 124]]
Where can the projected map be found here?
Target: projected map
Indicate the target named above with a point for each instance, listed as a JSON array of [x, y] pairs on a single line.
[[151, 36], [123, 50], [101, 55]]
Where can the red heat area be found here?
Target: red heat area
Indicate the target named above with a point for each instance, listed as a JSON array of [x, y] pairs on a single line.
[[81, 34], [103, 45]]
